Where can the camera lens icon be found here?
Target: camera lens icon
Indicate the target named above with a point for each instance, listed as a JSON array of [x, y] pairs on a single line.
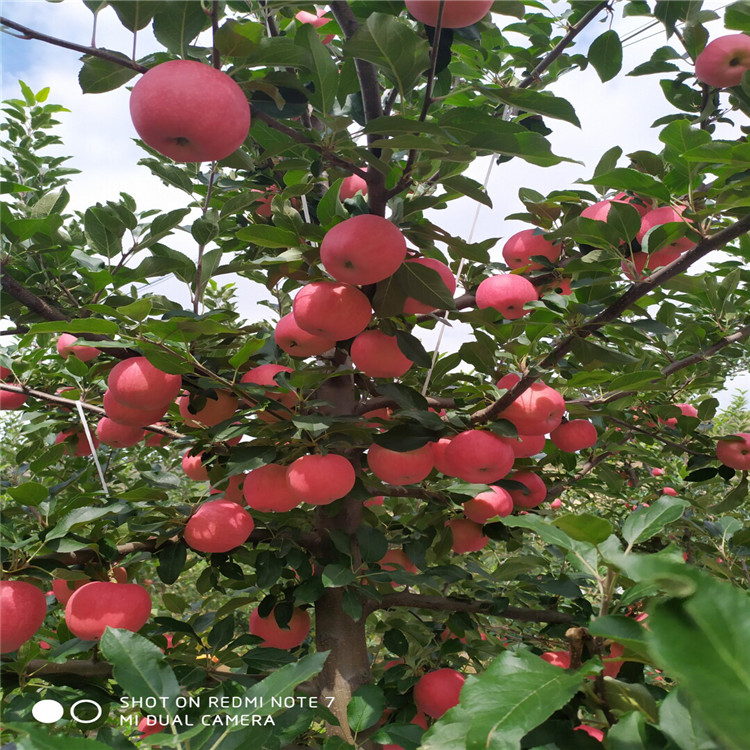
[[49, 711]]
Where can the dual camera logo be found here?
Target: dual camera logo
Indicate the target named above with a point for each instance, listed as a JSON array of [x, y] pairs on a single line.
[[49, 711]]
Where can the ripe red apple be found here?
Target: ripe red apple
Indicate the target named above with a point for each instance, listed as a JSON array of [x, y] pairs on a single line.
[[688, 410], [136, 383], [525, 446], [23, 608], [265, 375], [385, 414], [10, 400], [394, 559], [319, 480], [373, 501], [537, 411], [363, 250], [233, 490], [76, 443], [519, 248], [415, 307], [556, 504], [156, 439], [317, 21], [399, 468], [297, 342], [723, 61], [332, 310], [665, 215], [218, 526], [735, 453], [130, 416], [537, 490], [594, 732], [657, 472], [194, 468], [456, 14], [557, 658], [118, 435], [574, 435], [63, 590], [351, 185], [467, 536], [640, 265], [612, 664], [671, 491], [275, 636], [507, 293], [217, 409], [101, 604], [149, 725], [83, 352], [479, 456], [376, 354], [190, 111], [495, 502], [436, 692], [438, 456]]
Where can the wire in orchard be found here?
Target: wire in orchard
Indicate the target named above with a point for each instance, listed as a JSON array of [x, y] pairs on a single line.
[[87, 433]]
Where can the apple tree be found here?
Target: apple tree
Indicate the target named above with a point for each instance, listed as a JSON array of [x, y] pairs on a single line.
[[316, 529]]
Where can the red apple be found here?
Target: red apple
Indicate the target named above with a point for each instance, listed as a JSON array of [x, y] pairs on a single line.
[[574, 435], [479, 456], [193, 466], [395, 559], [436, 692], [128, 415], [665, 215], [298, 343], [597, 734], [218, 526], [671, 491], [556, 504], [612, 663], [23, 608], [136, 383], [317, 21], [525, 446], [378, 355], [363, 250], [537, 490], [400, 467], [413, 306], [274, 636], [101, 604], [640, 265], [438, 456], [351, 185], [118, 435], [332, 310], [83, 352], [557, 658], [217, 409], [319, 480], [537, 411], [63, 590], [657, 472], [10, 400], [688, 410], [266, 375], [723, 61], [519, 248], [507, 293], [508, 381], [373, 501], [495, 502], [457, 14], [156, 439], [735, 452], [76, 443], [467, 536], [233, 491], [190, 111], [149, 725]]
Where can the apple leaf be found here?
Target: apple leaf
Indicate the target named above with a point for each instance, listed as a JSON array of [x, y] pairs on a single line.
[[365, 707], [584, 527], [645, 522], [737, 16], [425, 285], [324, 70], [177, 23], [605, 55], [97, 75], [538, 102]]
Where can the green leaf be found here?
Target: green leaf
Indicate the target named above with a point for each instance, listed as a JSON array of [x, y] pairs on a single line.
[[405, 397], [250, 347], [605, 55], [268, 236], [412, 348], [79, 516], [83, 325], [624, 697], [634, 380], [336, 575], [425, 285], [538, 102], [737, 16], [466, 186], [646, 522], [623, 178], [701, 641], [29, 493], [97, 75], [392, 47], [681, 724], [177, 23], [39, 739], [139, 668], [172, 558], [407, 736], [624, 630], [584, 527], [733, 499], [372, 543], [365, 707], [135, 15], [325, 73]]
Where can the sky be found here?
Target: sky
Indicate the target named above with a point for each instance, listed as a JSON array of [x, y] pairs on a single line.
[[99, 134]]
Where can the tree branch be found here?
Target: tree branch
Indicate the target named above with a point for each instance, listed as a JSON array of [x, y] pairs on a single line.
[[693, 359], [381, 402], [93, 51], [449, 604], [557, 489]]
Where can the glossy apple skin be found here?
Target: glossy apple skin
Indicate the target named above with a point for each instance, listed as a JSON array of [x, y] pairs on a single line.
[[479, 456], [395, 559], [467, 536], [665, 215], [519, 248], [23, 608], [688, 410], [332, 310], [413, 306], [457, 14], [735, 453], [537, 411], [363, 250], [525, 446], [118, 435], [276, 637], [400, 468], [194, 468], [438, 691], [378, 355], [218, 526], [723, 61], [100, 604], [216, 410], [491, 504], [76, 443], [267, 490], [575, 435], [65, 348], [319, 480], [557, 658], [294, 341], [438, 456], [537, 489], [136, 383], [507, 293], [351, 185], [190, 111], [127, 415], [265, 375], [10, 401]]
